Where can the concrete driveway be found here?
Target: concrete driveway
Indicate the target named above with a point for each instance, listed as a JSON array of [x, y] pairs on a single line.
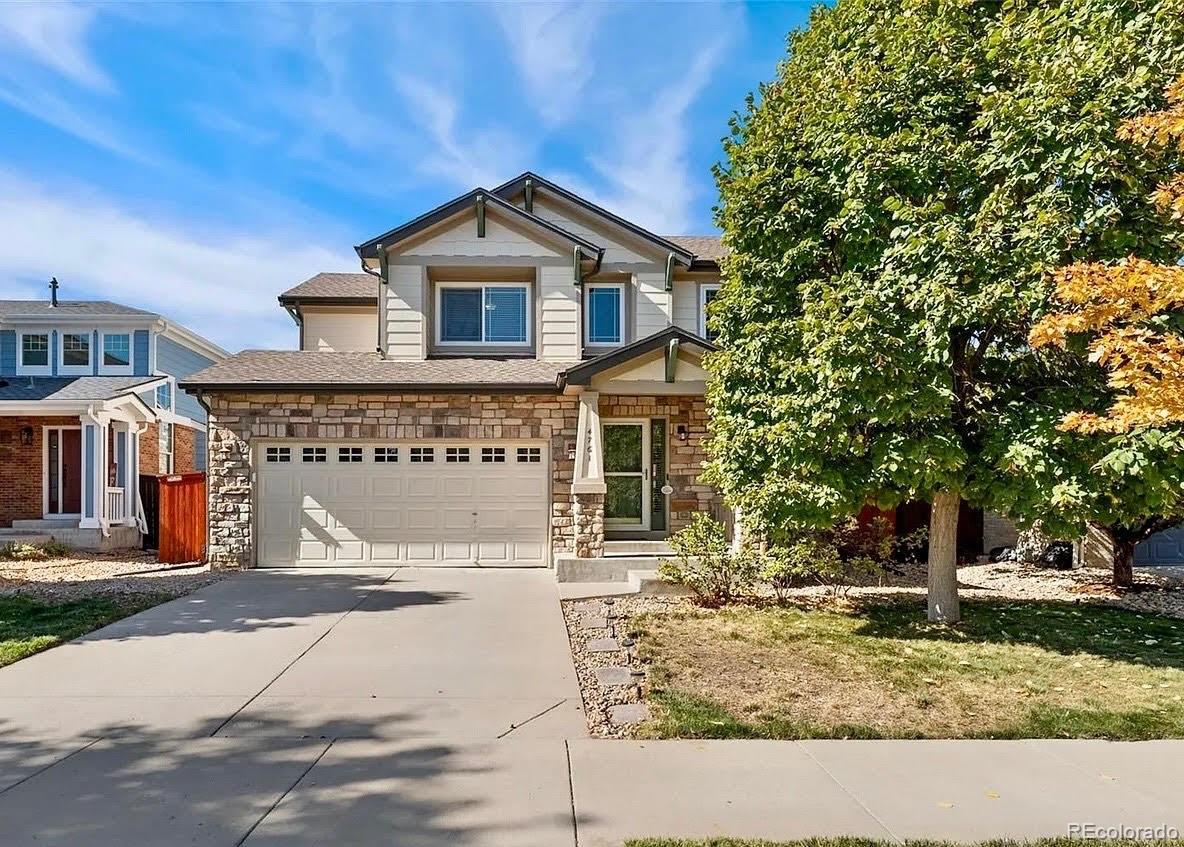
[[429, 702]]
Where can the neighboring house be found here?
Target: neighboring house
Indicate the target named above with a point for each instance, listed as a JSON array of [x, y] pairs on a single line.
[[88, 401], [516, 376]]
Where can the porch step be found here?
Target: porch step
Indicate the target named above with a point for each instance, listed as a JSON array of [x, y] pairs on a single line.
[[22, 536], [604, 569], [46, 525], [637, 548]]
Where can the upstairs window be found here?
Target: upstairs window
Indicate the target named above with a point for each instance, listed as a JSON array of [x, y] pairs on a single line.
[[493, 313], [604, 313], [164, 396], [75, 351], [35, 350], [117, 351], [707, 295]]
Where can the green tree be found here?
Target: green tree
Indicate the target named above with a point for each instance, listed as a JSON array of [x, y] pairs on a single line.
[[893, 202]]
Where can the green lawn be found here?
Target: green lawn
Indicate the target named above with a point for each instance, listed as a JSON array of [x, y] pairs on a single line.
[[29, 625], [870, 842], [1009, 670]]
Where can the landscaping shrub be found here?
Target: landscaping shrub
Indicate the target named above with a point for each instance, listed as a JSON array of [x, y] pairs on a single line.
[[706, 564], [17, 552]]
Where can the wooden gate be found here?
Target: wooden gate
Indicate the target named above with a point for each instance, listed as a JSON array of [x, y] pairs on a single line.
[[180, 519]]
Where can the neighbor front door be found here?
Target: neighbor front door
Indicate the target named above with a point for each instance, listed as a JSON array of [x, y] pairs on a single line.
[[64, 471], [626, 474]]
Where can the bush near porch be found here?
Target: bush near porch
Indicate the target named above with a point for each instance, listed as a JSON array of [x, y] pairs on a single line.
[[874, 668]]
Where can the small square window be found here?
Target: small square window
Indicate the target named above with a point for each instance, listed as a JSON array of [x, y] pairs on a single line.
[[493, 454], [314, 454], [279, 454], [117, 350], [386, 455], [456, 454], [349, 454], [533, 455], [423, 454], [35, 350], [75, 349]]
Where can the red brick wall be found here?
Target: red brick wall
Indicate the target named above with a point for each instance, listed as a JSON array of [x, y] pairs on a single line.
[[21, 467], [150, 450], [184, 447]]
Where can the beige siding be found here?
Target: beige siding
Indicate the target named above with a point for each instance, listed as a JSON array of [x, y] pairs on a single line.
[[686, 301], [406, 327], [559, 315], [614, 250], [653, 304], [500, 241], [340, 329]]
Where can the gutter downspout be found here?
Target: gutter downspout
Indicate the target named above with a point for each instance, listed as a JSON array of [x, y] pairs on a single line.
[[382, 274]]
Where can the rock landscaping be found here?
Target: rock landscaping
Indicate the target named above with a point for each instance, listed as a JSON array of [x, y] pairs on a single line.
[[76, 574]]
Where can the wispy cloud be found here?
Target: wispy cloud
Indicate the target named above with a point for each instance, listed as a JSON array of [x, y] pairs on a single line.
[[220, 284], [55, 36], [552, 46]]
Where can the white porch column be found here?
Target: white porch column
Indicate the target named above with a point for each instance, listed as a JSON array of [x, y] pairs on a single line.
[[132, 491], [123, 470], [589, 471], [94, 471]]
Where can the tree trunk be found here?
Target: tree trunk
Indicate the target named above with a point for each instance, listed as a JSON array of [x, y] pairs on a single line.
[[1124, 563], [943, 558]]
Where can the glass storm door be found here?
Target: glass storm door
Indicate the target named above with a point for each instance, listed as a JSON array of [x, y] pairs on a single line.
[[626, 475]]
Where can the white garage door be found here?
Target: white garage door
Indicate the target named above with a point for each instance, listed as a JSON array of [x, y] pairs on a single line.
[[357, 503]]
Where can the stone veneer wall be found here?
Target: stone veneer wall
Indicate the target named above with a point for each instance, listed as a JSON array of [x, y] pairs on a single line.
[[684, 459], [236, 418]]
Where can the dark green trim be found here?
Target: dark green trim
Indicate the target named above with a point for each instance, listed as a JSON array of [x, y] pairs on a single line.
[[481, 216], [670, 260], [296, 302], [671, 358], [384, 260], [529, 192], [582, 373]]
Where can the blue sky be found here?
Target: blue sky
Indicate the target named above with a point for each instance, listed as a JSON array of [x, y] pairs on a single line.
[[199, 159]]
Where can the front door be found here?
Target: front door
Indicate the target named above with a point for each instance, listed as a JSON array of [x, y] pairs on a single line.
[[64, 471], [626, 474]]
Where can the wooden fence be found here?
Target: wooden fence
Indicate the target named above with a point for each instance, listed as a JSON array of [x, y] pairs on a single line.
[[175, 509]]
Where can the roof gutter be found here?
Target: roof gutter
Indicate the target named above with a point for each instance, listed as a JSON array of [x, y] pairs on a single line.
[[374, 387], [383, 274]]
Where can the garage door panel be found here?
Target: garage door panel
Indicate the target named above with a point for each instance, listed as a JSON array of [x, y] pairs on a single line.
[[423, 513]]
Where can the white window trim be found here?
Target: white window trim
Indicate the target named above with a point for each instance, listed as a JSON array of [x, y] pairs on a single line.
[[168, 446], [118, 370], [172, 384], [34, 370], [588, 288], [440, 286], [76, 370], [703, 289]]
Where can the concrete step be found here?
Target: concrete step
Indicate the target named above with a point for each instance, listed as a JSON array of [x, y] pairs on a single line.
[[648, 582], [47, 525], [604, 569], [22, 536], [637, 548]]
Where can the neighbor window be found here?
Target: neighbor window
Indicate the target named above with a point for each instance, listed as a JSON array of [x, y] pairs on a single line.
[[35, 350], [164, 396], [166, 447], [482, 314], [117, 350], [76, 349], [604, 313], [707, 294]]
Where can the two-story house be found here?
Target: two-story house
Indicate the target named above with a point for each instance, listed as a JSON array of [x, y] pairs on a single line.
[[88, 401], [514, 376]]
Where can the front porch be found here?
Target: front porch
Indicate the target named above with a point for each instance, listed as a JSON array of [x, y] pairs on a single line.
[[73, 478], [639, 455]]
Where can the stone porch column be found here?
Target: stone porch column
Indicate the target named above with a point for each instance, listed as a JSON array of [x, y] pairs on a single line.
[[588, 486]]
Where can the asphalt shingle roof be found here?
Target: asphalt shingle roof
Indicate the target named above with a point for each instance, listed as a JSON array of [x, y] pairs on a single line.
[[705, 247], [82, 388], [333, 285], [69, 307], [291, 368]]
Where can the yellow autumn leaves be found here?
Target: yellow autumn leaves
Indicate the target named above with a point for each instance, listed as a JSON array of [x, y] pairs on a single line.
[[1114, 306]]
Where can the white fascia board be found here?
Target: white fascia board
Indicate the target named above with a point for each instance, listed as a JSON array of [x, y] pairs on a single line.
[[190, 339]]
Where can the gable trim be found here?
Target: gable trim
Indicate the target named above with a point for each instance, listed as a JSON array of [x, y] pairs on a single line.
[[518, 183], [583, 373], [476, 197]]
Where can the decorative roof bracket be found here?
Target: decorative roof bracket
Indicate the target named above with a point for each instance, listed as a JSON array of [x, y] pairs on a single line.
[[670, 261], [480, 215], [528, 189]]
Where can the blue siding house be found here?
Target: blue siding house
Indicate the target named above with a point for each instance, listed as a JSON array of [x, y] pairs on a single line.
[[88, 402]]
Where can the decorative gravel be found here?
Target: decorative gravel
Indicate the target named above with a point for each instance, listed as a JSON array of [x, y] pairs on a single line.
[[83, 574], [1158, 592]]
